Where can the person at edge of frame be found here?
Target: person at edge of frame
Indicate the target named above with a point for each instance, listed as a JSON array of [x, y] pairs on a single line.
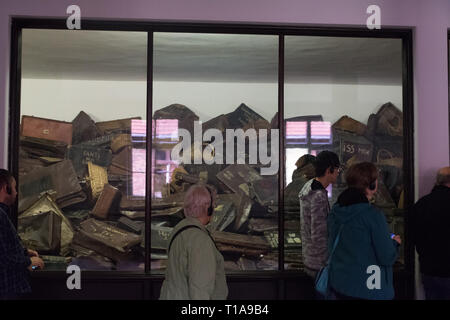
[[361, 267], [195, 267], [15, 261], [314, 209], [431, 222]]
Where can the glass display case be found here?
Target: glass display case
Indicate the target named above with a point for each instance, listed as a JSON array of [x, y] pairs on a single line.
[[243, 110]]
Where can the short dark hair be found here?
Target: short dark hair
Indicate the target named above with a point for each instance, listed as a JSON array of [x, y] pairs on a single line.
[[361, 175], [325, 160], [443, 176], [5, 178]]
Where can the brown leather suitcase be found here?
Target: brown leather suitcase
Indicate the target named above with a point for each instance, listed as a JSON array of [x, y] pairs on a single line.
[[132, 203], [46, 129], [84, 128], [116, 126], [346, 123], [35, 147], [240, 240], [120, 141], [105, 202], [121, 162], [106, 239], [389, 121], [246, 251], [100, 141], [59, 179], [26, 165]]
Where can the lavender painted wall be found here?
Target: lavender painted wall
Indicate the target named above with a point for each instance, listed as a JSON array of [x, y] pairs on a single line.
[[431, 19]]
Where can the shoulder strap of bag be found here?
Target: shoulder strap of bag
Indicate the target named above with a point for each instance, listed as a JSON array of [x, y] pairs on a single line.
[[185, 228], [335, 244]]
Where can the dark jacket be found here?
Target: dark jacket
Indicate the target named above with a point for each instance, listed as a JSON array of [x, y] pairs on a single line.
[[364, 241], [14, 260], [431, 227]]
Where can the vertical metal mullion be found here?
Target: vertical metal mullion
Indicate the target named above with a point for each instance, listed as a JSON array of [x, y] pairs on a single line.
[[149, 152], [408, 158], [281, 172], [15, 80]]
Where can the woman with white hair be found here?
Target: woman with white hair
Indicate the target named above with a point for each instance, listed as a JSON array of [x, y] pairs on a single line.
[[195, 268]]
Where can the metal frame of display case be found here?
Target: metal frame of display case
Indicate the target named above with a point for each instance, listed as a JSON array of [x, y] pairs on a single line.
[[281, 284], [448, 74]]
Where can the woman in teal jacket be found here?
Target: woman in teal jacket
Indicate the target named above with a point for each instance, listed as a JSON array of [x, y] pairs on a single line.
[[361, 266]]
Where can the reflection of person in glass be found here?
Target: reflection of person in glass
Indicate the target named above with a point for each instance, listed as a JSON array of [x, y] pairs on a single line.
[[15, 260], [431, 223], [195, 268], [314, 209], [361, 266]]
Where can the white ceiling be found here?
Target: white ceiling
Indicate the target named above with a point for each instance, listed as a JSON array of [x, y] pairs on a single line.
[[112, 55]]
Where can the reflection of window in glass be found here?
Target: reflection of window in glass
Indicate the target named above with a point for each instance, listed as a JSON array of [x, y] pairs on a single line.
[[138, 134], [292, 155], [320, 132], [166, 135], [300, 138], [296, 132], [167, 129]]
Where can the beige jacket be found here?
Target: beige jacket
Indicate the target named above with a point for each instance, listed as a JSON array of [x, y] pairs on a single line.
[[195, 269]]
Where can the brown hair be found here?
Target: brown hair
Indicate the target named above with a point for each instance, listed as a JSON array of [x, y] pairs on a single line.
[[361, 175]]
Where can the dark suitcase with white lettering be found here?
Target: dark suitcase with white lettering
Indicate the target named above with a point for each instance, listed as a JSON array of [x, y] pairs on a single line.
[[352, 148], [80, 155]]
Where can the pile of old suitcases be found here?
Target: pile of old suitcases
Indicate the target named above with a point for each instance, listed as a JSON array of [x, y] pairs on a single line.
[[76, 202], [72, 182]]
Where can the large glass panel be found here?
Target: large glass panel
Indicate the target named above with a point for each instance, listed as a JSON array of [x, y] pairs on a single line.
[[343, 95], [82, 154], [211, 86]]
